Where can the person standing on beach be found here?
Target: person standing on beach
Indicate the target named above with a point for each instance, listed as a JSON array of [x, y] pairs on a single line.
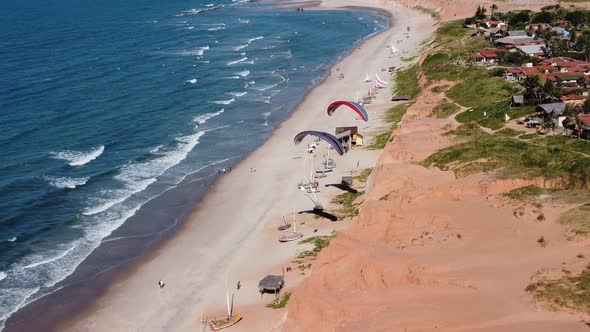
[[161, 283]]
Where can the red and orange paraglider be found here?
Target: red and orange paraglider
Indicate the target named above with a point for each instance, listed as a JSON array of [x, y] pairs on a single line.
[[350, 104]]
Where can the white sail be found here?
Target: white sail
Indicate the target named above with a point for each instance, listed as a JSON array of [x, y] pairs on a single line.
[[227, 299]]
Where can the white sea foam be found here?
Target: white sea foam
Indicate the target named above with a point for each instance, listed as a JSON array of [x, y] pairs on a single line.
[[199, 51], [223, 102], [233, 77], [156, 149], [201, 119], [243, 21], [3, 275], [237, 61], [237, 94], [137, 176], [192, 81], [239, 47], [66, 182], [209, 5], [254, 39], [266, 86], [243, 73], [46, 268], [12, 239], [78, 158], [216, 28], [36, 263]]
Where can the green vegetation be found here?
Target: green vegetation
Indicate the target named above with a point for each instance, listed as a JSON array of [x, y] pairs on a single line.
[[509, 132], [441, 66], [528, 136], [349, 209], [406, 81], [319, 243], [524, 193], [379, 141], [410, 59], [569, 291], [494, 114], [578, 221], [445, 109], [440, 88], [396, 113], [449, 32], [484, 152], [476, 91], [281, 303], [364, 175], [393, 116], [532, 193]]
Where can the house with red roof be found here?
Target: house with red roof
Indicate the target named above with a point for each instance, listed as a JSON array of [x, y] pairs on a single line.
[[573, 99], [487, 56]]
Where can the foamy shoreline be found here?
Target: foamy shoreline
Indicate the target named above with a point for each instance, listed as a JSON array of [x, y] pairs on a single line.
[[228, 232]]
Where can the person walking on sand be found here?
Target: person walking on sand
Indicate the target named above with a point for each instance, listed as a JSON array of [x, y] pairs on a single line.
[[161, 283], [239, 285]]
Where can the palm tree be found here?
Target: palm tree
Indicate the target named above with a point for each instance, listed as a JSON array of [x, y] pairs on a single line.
[[534, 88], [494, 8]]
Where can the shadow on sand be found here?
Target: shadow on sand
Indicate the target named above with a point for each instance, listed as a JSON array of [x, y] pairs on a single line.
[[342, 187], [321, 213]]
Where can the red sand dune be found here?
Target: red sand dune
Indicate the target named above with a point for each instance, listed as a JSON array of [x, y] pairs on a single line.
[[430, 252]]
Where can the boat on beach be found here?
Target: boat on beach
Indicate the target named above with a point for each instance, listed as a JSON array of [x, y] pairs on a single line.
[[230, 320]]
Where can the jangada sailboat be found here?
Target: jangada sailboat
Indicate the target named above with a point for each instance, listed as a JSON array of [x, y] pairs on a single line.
[[231, 319]]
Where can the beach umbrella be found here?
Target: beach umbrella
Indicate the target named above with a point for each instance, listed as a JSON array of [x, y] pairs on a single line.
[[329, 138], [350, 104]]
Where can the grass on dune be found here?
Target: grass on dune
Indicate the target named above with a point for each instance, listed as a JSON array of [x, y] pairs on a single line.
[[394, 116], [281, 303], [445, 109], [406, 82], [484, 152], [569, 291], [494, 114]]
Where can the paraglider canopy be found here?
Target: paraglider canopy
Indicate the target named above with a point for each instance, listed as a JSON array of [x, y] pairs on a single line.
[[330, 139], [352, 105]]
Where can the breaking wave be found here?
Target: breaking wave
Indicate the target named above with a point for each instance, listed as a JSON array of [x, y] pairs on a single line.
[[201, 119], [66, 182], [78, 158]]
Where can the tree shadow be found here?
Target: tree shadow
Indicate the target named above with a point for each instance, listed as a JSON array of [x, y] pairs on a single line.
[[321, 213], [342, 187]]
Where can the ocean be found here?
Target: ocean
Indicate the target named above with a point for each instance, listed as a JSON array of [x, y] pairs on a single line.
[[107, 105]]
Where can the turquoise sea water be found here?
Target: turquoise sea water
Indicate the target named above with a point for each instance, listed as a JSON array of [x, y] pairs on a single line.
[[104, 105]]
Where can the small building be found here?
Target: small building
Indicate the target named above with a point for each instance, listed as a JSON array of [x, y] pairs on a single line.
[[517, 100], [349, 136], [486, 56], [517, 33], [271, 284], [552, 112], [573, 99], [357, 139], [515, 40], [561, 33], [534, 51]]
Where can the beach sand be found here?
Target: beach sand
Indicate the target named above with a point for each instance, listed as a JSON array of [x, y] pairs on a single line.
[[231, 235]]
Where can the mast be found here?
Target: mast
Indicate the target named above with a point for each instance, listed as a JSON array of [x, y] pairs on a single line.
[[227, 300]]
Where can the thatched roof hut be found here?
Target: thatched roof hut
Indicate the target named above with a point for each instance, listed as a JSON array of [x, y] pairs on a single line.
[[271, 284]]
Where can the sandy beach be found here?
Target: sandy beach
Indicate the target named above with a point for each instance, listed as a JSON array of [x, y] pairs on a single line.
[[231, 235]]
